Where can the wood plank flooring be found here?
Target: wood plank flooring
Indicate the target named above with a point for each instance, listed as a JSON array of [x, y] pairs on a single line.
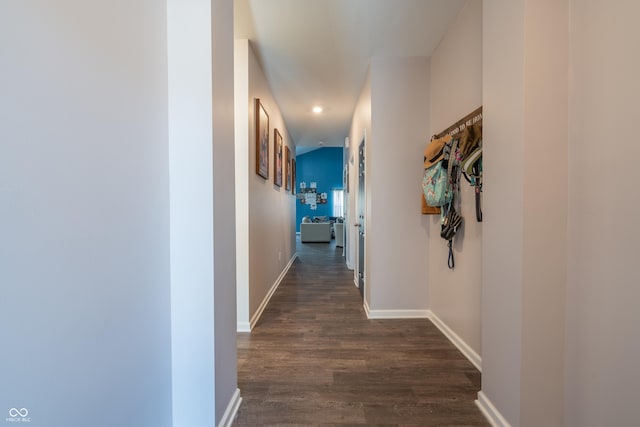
[[315, 359]]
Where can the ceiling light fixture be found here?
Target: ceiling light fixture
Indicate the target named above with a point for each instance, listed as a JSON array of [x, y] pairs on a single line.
[[317, 110]]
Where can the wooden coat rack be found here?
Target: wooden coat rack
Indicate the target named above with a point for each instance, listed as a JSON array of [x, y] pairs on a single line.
[[468, 120]]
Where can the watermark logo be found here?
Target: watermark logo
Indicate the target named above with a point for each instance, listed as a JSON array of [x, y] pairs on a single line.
[[18, 415], [22, 412]]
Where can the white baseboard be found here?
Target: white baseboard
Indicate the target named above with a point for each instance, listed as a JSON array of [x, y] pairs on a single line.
[[231, 411], [267, 298], [365, 305], [355, 282], [490, 412], [464, 348], [398, 314], [395, 314], [468, 352], [243, 327]]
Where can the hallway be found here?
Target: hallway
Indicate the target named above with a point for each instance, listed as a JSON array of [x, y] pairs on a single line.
[[314, 358]]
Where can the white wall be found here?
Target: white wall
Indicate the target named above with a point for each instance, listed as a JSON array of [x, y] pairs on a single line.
[[191, 190], [242, 168], [84, 213], [456, 90], [602, 343], [396, 242], [86, 201], [202, 210], [267, 212], [503, 153], [525, 232], [545, 230], [224, 253]]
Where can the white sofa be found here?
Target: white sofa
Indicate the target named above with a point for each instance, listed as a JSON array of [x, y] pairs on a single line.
[[315, 232]]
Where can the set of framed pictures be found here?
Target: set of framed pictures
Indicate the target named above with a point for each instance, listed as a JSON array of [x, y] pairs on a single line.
[[284, 164]]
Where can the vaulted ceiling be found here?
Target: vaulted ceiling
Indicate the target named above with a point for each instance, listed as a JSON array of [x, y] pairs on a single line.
[[316, 52]]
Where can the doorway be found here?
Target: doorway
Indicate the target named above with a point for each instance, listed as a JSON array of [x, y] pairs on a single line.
[[361, 216]]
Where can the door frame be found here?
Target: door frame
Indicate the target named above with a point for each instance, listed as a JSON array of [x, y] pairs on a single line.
[[360, 220]]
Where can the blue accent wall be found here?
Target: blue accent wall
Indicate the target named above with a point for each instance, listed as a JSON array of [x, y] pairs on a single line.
[[323, 166]]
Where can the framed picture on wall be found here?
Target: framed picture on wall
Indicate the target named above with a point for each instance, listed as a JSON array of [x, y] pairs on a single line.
[[293, 176], [287, 165], [345, 180], [262, 140], [277, 158]]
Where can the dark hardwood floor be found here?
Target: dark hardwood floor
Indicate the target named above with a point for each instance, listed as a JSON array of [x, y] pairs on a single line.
[[315, 359]]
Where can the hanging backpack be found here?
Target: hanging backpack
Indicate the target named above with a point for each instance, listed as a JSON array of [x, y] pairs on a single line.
[[440, 182], [436, 181], [471, 152], [472, 171], [450, 219]]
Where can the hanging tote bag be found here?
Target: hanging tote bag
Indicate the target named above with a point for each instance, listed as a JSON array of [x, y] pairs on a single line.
[[439, 179], [437, 186], [435, 183]]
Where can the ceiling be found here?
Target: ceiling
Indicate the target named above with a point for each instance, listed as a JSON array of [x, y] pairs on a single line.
[[316, 52]]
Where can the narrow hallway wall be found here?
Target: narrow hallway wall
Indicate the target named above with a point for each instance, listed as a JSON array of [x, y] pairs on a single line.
[[396, 242], [266, 211], [456, 90], [602, 342], [84, 213], [525, 96]]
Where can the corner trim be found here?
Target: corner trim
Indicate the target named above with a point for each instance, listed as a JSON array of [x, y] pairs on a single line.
[[490, 412], [267, 298], [365, 305], [464, 348], [231, 411]]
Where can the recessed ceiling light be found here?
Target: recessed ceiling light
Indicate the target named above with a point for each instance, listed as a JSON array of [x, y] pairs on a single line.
[[317, 109]]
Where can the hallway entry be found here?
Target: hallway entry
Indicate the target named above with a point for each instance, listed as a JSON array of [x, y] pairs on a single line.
[[361, 217], [314, 358]]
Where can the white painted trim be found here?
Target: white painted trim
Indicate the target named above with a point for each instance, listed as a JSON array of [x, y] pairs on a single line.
[[243, 327], [355, 282], [231, 411], [267, 298], [468, 352], [397, 314], [490, 412], [464, 348]]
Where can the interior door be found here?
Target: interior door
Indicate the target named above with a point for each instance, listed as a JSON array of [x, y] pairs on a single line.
[[361, 215]]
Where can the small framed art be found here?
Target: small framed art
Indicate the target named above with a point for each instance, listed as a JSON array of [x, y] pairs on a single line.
[[287, 165], [262, 140], [277, 158], [293, 176]]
